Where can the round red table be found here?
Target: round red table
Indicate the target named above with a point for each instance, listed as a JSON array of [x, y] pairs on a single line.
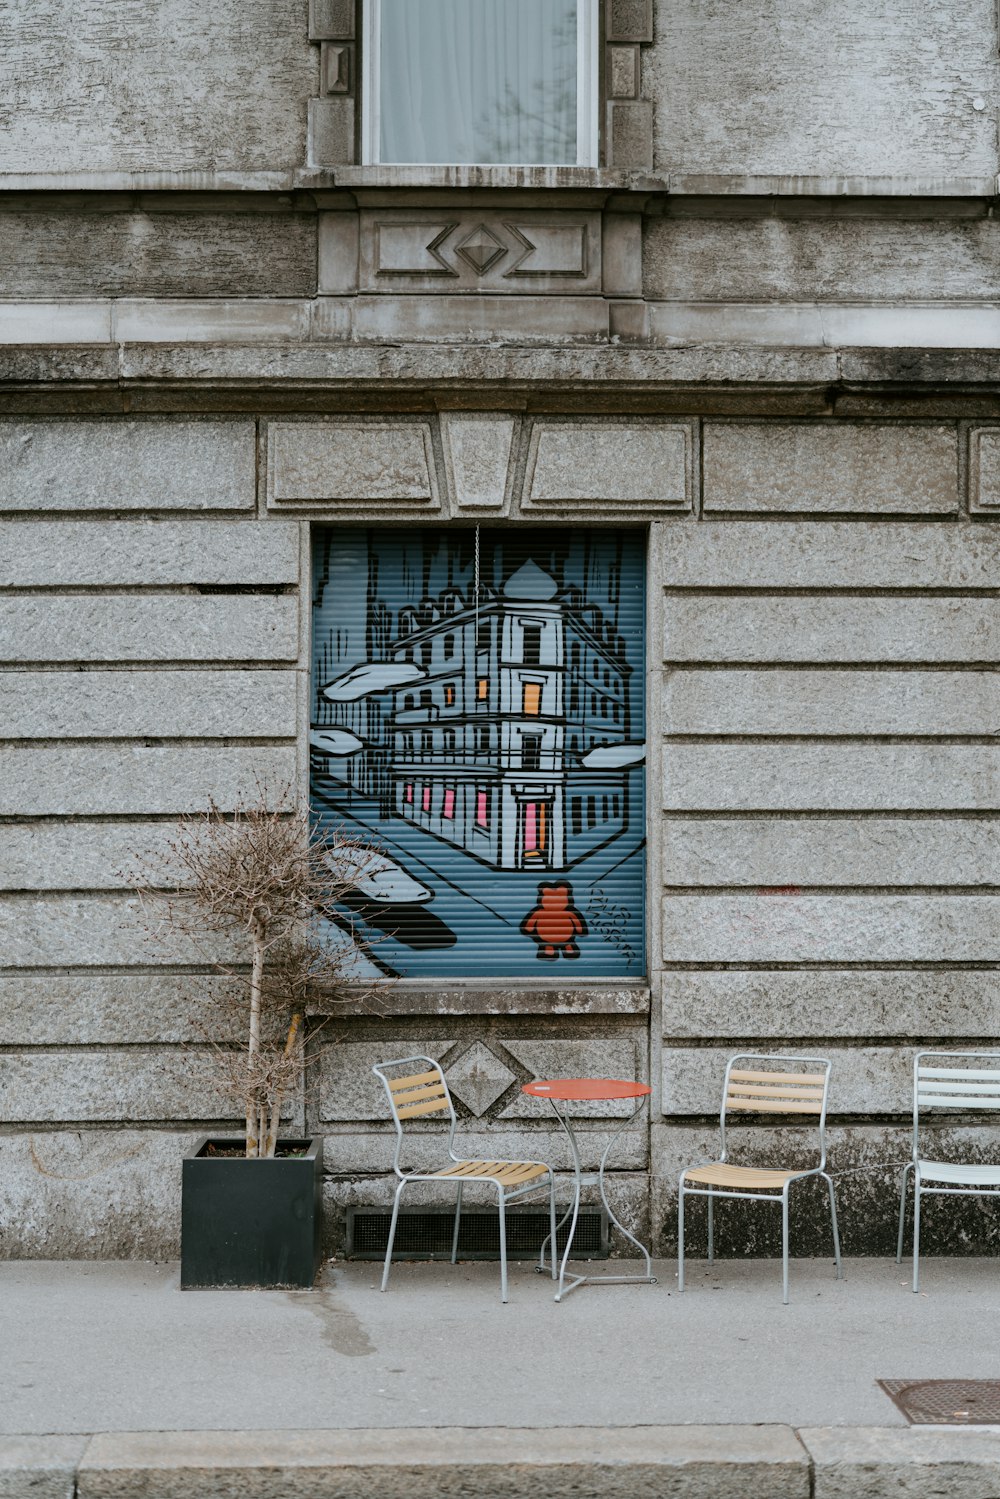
[[590, 1090]]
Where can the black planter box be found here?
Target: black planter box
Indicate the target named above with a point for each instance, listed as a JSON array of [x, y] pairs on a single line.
[[251, 1222]]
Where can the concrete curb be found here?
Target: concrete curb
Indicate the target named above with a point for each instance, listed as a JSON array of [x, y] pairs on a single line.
[[641, 1462]]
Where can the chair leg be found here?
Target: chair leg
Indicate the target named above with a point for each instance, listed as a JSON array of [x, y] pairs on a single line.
[[458, 1219], [833, 1221], [916, 1232], [784, 1245], [392, 1235], [552, 1225], [502, 1209], [902, 1213], [680, 1236], [711, 1228]]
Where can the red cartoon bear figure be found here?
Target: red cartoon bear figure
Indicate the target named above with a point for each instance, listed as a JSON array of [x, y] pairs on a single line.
[[555, 923]]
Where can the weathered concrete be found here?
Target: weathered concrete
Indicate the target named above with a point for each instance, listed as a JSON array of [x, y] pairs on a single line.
[[133, 1084], [914, 1464], [796, 851], [831, 928], [850, 95], [613, 463], [477, 450], [108, 1009], [42, 1467], [775, 1003], [135, 779], [365, 1155], [831, 629], [149, 627], [119, 463], [831, 702], [831, 777], [351, 462], [864, 1080], [173, 100], [176, 705], [44, 554]]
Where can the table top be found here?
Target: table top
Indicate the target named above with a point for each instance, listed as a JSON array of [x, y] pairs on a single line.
[[589, 1088]]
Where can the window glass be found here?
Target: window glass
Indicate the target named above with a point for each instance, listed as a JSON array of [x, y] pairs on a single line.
[[478, 81]]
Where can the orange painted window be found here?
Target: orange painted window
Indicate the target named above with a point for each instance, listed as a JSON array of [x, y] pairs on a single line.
[[532, 704], [483, 688]]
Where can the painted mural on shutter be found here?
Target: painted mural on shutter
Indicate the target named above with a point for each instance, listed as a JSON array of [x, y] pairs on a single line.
[[477, 710]]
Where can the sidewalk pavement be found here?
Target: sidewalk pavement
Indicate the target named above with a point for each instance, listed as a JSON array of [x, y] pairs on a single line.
[[115, 1383]]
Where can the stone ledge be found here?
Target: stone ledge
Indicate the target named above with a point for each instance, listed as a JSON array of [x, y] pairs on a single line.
[[868, 1462], [40, 1467], [488, 998]]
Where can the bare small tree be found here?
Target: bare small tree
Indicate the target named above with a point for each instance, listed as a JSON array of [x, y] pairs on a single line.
[[266, 884]]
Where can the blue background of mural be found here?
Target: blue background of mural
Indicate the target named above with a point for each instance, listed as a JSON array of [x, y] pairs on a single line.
[[480, 714]]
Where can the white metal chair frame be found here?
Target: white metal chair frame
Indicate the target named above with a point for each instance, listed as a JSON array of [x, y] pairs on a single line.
[[965, 1088], [782, 1093], [426, 1093]]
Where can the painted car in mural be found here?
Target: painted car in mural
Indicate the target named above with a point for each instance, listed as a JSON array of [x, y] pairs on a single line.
[[478, 712]]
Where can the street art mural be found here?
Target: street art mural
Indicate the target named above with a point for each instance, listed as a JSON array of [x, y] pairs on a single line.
[[477, 712]]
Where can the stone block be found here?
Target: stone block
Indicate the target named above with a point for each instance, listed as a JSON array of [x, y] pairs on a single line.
[[777, 928], [863, 1080], [861, 1462], [628, 321], [148, 627], [873, 101], [211, 320], [477, 450], [107, 252], [338, 254], [831, 778], [490, 997], [149, 553], [55, 323], [331, 131], [349, 1089], [609, 466], [109, 1009], [336, 69], [91, 1194], [629, 21], [352, 464], [366, 1154], [162, 93], [797, 851], [611, 1056], [135, 780], [523, 321], [865, 1161], [621, 254], [682, 1462], [630, 135], [787, 466], [507, 253], [331, 19], [831, 702], [836, 554], [778, 1003], [623, 72], [174, 704], [831, 629], [116, 1083], [97, 930], [126, 463], [39, 1467], [984, 470], [820, 258]]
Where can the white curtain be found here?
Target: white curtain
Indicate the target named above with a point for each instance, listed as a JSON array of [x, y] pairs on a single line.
[[481, 81]]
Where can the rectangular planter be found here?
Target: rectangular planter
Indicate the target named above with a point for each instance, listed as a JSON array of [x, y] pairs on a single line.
[[251, 1222]]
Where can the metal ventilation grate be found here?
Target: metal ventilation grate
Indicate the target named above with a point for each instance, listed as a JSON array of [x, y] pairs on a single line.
[[946, 1402], [422, 1235]]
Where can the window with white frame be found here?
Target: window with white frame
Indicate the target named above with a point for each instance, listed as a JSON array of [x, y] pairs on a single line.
[[481, 82]]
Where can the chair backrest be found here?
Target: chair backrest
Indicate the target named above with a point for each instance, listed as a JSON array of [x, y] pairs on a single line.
[[761, 1083], [951, 1080], [420, 1094]]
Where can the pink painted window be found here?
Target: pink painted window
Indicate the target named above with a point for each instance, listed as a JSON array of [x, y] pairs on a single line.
[[531, 828], [449, 803], [408, 794], [426, 799], [482, 809]]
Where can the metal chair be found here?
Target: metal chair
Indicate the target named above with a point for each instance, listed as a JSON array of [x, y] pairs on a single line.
[[422, 1094], [762, 1090], [956, 1085]]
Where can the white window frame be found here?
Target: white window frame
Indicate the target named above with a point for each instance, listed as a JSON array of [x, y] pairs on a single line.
[[587, 103]]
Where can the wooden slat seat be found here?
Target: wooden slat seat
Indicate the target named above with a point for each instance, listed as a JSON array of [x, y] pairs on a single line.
[[508, 1173], [751, 1178]]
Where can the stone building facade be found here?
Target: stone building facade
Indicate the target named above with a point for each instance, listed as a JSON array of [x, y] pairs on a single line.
[[761, 329]]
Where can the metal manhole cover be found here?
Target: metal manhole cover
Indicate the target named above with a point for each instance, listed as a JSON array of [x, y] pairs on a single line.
[[946, 1402]]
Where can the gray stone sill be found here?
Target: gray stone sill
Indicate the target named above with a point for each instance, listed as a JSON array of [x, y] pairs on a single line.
[[487, 997]]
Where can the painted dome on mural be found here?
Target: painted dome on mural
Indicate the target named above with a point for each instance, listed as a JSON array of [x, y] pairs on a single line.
[[530, 582]]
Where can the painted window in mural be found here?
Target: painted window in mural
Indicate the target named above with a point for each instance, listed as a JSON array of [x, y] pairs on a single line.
[[477, 710]]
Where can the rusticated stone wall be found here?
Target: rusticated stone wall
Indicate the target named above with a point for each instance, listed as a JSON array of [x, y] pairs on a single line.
[[824, 844]]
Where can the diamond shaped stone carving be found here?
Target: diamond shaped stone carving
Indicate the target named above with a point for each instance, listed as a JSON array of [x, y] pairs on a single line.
[[481, 249], [478, 1078]]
